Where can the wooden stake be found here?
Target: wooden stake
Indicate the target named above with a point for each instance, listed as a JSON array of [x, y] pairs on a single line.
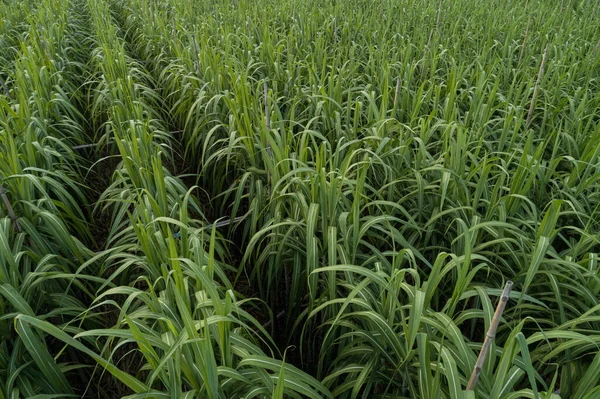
[[537, 85], [491, 333], [11, 212]]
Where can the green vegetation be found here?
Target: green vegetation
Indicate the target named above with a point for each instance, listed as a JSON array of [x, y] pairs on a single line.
[[289, 199]]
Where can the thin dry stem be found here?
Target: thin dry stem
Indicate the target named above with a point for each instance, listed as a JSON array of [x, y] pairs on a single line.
[[267, 121], [596, 49], [537, 85], [397, 92], [226, 222], [525, 39], [335, 37], [429, 39], [437, 22], [197, 53], [489, 337], [43, 41]]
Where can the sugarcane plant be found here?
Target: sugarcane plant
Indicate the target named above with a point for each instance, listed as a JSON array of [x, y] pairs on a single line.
[[299, 199]]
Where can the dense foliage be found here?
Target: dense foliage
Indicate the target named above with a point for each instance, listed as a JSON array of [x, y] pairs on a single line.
[[242, 198]]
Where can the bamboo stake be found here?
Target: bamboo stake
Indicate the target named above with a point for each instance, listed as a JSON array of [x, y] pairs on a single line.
[[525, 39], [11, 212], [537, 85], [491, 333]]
